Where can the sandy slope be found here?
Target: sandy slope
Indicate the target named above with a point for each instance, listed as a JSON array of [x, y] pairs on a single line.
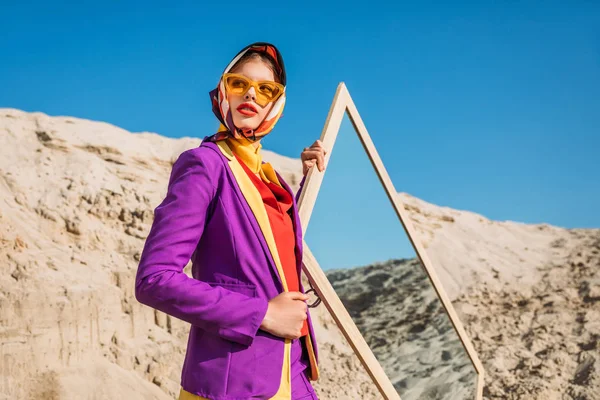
[[76, 202], [406, 326]]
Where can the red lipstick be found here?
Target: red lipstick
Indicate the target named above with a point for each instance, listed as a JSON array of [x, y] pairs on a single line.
[[247, 109]]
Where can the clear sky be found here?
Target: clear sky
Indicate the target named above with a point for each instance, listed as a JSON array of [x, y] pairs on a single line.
[[363, 228], [492, 107]]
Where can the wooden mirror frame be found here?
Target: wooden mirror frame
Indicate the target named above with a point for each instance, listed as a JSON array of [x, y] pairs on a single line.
[[342, 103]]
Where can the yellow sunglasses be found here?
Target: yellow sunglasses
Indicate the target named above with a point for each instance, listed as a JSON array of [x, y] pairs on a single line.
[[266, 91]]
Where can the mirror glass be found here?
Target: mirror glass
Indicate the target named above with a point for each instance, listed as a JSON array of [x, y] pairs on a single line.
[[360, 243]]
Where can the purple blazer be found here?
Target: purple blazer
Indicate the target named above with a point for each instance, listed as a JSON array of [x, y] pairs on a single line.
[[205, 217]]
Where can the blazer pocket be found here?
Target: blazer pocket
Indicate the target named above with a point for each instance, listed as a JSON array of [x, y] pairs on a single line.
[[248, 289]]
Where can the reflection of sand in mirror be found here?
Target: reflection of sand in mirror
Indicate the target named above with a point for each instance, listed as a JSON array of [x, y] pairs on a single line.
[[406, 327], [393, 303]]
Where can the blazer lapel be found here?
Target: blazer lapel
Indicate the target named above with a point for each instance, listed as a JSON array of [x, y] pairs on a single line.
[[256, 212]]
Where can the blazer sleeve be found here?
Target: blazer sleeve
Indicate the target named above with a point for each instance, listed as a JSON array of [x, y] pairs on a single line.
[[176, 230]]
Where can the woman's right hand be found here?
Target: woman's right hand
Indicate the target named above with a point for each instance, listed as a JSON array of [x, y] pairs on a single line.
[[315, 154], [286, 314]]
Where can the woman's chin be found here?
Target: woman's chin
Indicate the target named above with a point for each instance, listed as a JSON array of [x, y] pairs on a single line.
[[244, 122]]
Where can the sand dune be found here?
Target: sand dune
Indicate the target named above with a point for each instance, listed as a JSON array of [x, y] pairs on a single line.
[[77, 200]]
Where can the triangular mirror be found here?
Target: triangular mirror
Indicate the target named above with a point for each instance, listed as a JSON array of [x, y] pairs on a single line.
[[366, 262]]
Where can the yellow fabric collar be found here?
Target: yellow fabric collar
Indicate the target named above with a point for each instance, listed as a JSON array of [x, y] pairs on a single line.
[[252, 157]]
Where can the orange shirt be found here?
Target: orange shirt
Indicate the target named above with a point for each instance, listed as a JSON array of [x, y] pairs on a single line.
[[278, 202]]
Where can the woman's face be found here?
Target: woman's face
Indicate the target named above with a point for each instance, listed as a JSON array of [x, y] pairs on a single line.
[[244, 110]]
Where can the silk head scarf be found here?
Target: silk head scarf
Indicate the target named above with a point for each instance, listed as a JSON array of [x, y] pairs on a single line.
[[220, 105]]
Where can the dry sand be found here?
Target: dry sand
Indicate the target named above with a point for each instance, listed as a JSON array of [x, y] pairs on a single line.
[[400, 316], [76, 202]]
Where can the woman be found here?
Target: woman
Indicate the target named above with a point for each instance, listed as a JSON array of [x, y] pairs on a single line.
[[251, 334]]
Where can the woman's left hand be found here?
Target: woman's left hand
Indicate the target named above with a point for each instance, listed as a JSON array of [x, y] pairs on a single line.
[[313, 154]]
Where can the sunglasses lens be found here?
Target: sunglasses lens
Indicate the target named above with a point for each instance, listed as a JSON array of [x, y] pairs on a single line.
[[268, 90], [237, 84]]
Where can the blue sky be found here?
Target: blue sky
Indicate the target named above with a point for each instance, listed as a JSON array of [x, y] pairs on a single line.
[[490, 107], [366, 229]]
